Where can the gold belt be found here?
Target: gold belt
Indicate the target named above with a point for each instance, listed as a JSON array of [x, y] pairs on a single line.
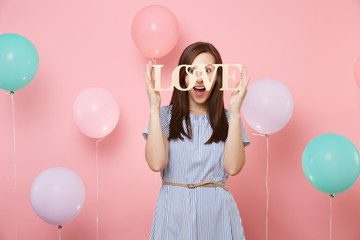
[[200, 184]]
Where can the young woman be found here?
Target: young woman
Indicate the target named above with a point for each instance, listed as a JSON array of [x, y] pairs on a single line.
[[196, 144]]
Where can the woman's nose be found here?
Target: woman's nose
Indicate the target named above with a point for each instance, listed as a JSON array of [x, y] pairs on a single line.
[[198, 74]]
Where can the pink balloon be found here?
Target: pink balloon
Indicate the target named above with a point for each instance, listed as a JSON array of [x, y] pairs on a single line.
[[357, 71], [96, 112], [155, 31], [57, 195], [268, 106]]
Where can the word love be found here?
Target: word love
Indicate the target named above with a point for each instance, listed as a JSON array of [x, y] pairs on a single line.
[[196, 72]]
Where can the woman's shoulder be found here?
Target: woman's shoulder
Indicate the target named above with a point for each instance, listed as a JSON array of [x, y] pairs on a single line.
[[227, 114], [165, 111]]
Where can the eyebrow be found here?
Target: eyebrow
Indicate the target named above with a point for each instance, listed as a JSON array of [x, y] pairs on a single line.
[[208, 65]]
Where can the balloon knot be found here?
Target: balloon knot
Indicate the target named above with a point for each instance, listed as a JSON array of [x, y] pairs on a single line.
[[266, 136], [59, 227], [11, 92], [332, 196]]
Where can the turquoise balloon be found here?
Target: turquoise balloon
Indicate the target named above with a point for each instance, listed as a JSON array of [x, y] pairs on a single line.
[[331, 163], [19, 61]]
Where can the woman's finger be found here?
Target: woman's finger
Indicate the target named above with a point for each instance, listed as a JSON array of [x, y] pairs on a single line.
[[244, 75], [146, 80], [150, 64], [245, 78], [247, 82], [148, 70], [237, 88]]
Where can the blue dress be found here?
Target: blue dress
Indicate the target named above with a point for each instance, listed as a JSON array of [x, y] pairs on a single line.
[[200, 213]]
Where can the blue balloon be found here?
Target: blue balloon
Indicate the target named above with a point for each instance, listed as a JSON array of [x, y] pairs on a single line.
[[19, 61], [331, 163]]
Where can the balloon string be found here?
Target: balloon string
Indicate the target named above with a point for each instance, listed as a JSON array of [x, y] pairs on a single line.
[[97, 188], [267, 188], [97, 192], [331, 197], [14, 143], [266, 182], [154, 60], [59, 227]]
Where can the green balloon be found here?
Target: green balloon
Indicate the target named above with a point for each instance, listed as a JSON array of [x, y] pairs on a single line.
[[19, 61], [331, 163]]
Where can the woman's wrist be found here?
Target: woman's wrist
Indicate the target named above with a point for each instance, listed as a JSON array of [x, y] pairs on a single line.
[[235, 108], [154, 110], [234, 113]]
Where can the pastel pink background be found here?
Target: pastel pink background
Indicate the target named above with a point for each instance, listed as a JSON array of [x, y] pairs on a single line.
[[311, 46]]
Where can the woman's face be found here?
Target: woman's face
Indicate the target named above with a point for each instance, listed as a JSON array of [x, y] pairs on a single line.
[[198, 94]]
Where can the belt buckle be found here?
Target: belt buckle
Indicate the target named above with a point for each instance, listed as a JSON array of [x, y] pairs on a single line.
[[191, 186]]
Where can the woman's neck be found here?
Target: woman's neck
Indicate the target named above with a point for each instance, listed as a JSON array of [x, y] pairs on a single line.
[[198, 109]]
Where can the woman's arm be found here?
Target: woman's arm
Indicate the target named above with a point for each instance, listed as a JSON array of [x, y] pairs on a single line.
[[157, 145], [234, 153]]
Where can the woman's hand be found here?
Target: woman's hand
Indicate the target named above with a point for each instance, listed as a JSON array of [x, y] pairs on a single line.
[[157, 145], [237, 96], [154, 96]]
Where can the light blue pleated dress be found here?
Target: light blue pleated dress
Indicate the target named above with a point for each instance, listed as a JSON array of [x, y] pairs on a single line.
[[200, 213]]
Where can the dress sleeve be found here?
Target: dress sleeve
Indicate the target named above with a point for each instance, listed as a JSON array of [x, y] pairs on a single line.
[[246, 140], [165, 117]]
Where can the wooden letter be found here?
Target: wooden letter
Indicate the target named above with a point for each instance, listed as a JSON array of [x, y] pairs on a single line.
[[157, 76], [198, 72], [201, 69], [175, 78], [226, 76]]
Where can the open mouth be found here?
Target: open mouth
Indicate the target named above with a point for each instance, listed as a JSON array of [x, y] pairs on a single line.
[[199, 89]]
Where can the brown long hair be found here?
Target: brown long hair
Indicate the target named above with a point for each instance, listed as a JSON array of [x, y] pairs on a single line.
[[215, 102]]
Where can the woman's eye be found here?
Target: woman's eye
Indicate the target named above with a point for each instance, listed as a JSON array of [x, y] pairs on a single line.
[[191, 71], [208, 70]]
